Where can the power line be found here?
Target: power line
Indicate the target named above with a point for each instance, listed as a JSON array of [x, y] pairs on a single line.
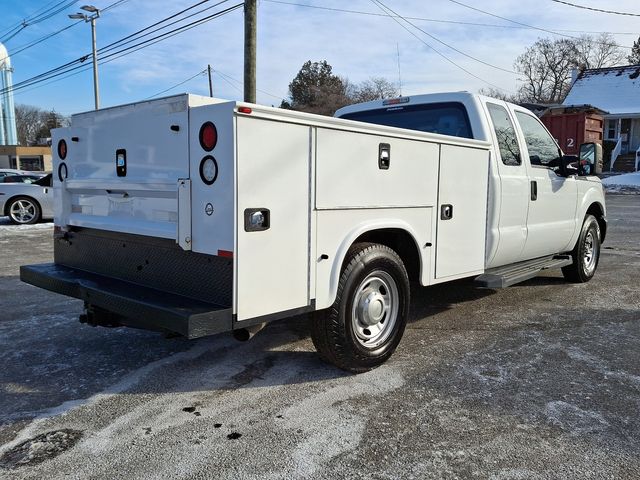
[[597, 9], [65, 69], [531, 26], [434, 20], [38, 19], [62, 69], [37, 41], [223, 75], [446, 44], [177, 84], [34, 14], [136, 35], [394, 17]]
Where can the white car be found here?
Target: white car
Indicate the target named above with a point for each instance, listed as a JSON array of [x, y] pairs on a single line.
[[26, 203]]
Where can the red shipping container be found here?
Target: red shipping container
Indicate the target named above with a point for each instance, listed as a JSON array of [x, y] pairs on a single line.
[[573, 126]]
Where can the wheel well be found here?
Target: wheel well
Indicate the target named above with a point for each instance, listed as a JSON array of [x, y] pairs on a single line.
[[399, 241], [597, 211], [10, 200]]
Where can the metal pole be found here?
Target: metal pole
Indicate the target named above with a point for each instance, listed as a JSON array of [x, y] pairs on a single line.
[[96, 90], [210, 81], [250, 27]]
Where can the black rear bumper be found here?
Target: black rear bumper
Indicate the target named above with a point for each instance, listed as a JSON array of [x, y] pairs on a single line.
[[134, 305]]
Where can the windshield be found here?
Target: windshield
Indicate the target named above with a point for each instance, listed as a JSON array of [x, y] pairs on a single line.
[[445, 118]]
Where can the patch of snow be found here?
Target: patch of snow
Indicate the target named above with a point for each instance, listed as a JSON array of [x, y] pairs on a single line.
[[628, 183]]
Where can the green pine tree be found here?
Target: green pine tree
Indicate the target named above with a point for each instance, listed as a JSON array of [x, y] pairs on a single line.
[[634, 58]]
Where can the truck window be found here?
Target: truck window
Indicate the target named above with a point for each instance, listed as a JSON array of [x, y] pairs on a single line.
[[445, 118], [506, 135], [543, 149]]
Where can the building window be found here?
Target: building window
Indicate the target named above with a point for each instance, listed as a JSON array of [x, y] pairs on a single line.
[[611, 129], [33, 164]]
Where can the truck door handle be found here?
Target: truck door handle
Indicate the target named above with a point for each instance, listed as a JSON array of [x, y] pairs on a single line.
[[446, 212], [534, 190], [384, 156]]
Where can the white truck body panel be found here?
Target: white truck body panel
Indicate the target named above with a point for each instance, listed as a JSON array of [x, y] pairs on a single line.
[[323, 186]]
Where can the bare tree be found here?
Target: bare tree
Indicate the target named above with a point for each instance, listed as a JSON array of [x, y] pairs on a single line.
[[375, 88], [600, 51], [28, 123], [499, 94], [546, 66], [33, 123], [546, 70]]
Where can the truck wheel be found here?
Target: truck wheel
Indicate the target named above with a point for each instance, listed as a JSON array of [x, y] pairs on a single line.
[[24, 211], [586, 253], [363, 327]]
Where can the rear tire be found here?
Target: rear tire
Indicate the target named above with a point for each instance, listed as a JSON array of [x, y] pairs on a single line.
[[365, 324], [24, 211], [586, 253]]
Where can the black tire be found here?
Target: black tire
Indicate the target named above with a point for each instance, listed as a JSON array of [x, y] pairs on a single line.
[[586, 253], [353, 335], [24, 211]]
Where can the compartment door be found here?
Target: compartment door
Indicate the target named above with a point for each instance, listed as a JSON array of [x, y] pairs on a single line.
[[462, 212], [273, 180]]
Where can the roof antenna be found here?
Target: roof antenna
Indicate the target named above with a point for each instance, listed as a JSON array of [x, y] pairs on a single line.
[[399, 74]]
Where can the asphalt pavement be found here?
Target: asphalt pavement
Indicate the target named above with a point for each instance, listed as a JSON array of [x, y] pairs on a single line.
[[537, 381]]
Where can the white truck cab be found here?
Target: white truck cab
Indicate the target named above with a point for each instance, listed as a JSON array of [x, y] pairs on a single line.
[[196, 216]]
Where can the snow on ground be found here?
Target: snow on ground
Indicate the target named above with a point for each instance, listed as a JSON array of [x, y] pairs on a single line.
[[628, 183], [5, 222]]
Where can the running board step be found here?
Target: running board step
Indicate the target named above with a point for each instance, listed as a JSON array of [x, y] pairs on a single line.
[[505, 276]]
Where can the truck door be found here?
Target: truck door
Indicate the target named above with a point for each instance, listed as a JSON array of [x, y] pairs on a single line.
[[514, 188], [553, 198]]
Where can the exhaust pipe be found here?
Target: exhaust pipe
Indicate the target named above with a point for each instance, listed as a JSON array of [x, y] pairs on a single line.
[[244, 334]]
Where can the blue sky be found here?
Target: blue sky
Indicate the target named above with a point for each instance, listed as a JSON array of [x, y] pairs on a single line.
[[357, 46]]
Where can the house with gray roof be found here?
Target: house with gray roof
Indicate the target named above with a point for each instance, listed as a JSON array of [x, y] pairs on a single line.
[[617, 91]]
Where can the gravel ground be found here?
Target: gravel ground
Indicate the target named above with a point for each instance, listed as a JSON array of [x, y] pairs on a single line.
[[541, 380]]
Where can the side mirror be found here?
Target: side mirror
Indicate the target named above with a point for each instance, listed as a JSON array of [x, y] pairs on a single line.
[[590, 159], [568, 165]]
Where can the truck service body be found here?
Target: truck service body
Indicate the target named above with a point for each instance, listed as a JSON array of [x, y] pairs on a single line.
[[196, 216]]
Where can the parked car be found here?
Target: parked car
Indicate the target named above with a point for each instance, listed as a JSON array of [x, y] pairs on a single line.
[[30, 178], [26, 203]]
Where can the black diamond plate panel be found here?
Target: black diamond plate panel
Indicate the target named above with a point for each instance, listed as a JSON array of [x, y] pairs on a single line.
[[148, 261]]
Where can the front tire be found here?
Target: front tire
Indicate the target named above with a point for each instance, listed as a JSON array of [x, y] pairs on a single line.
[[586, 253], [24, 211], [364, 326]]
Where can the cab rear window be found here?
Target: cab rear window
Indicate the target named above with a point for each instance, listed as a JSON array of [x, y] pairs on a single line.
[[445, 118]]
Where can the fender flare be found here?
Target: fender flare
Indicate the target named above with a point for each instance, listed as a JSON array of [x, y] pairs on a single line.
[[352, 236], [592, 196]]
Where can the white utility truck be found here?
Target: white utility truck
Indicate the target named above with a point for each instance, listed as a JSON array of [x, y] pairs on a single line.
[[196, 216]]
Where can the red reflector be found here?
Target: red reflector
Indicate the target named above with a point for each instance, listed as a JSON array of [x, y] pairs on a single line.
[[225, 253], [208, 136], [244, 110], [62, 149]]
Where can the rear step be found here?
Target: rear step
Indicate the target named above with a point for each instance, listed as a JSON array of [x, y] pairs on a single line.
[[507, 275], [138, 306]]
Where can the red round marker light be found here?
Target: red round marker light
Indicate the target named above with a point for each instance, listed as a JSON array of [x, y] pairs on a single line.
[[62, 149], [208, 136]]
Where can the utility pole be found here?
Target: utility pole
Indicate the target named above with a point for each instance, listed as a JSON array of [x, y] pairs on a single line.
[[250, 28], [210, 81]]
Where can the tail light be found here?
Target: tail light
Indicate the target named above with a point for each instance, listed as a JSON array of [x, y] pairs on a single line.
[[208, 136], [62, 149]]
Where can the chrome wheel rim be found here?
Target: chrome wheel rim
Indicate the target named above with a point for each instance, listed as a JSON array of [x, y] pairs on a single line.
[[22, 211], [375, 309], [590, 254]]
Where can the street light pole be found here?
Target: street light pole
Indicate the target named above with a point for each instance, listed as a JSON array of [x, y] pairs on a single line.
[[92, 18], [96, 89]]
